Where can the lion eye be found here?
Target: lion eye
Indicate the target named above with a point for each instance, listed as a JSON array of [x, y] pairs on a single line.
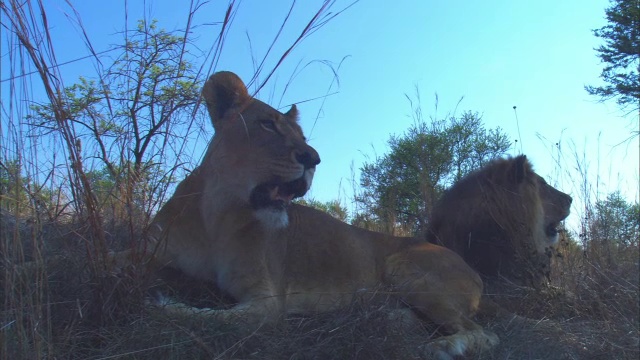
[[268, 125]]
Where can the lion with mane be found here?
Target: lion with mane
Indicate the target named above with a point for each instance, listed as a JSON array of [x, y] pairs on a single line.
[[232, 222], [503, 220]]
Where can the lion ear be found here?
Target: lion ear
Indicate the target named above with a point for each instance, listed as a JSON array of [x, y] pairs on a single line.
[[292, 113], [223, 91], [520, 169]]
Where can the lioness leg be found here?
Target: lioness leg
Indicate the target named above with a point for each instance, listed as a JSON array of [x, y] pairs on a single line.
[[438, 284], [239, 313], [259, 308], [257, 312]]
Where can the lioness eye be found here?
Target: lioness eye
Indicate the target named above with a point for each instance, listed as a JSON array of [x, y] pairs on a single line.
[[268, 125]]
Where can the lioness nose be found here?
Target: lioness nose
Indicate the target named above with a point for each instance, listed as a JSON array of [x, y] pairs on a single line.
[[309, 158]]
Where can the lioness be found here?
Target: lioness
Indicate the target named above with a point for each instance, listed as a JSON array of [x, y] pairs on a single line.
[[502, 219], [231, 221]]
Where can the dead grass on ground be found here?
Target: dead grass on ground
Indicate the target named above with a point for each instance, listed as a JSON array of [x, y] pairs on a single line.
[[57, 309]]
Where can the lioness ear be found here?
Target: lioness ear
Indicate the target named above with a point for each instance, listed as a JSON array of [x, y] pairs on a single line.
[[292, 113], [221, 92], [520, 169]]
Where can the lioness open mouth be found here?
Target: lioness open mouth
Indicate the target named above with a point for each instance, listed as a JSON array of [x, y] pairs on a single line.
[[277, 195]]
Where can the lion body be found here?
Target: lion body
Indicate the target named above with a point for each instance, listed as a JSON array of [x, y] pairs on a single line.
[[231, 221], [502, 219]]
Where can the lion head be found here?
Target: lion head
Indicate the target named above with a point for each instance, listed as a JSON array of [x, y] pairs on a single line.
[[556, 206], [503, 219], [259, 153]]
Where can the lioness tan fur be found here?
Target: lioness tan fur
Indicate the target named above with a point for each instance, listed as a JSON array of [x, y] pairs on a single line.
[[502, 219], [231, 221]]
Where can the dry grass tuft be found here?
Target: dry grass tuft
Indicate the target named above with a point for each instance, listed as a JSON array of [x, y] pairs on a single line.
[[589, 311], [594, 315]]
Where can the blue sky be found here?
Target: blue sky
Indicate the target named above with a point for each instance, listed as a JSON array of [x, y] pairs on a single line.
[[496, 54]]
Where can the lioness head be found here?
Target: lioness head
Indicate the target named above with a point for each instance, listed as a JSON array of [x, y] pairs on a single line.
[[261, 151]]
